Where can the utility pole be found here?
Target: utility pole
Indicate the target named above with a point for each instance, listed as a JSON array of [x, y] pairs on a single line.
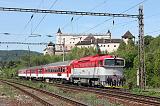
[[29, 57], [63, 49], [141, 49]]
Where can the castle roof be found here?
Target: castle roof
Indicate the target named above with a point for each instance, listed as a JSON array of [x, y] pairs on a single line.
[[102, 41], [89, 38], [128, 35], [51, 44], [59, 31]]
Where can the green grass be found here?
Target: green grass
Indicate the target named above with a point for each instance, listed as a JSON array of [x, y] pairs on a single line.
[[6, 90], [147, 92], [85, 97]]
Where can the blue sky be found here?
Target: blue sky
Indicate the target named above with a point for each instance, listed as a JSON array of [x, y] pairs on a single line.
[[15, 22]]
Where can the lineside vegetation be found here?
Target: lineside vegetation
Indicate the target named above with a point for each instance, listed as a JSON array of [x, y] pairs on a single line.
[[129, 52]]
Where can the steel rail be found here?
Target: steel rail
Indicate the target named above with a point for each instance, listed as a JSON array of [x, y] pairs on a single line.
[[30, 94], [73, 102], [115, 93]]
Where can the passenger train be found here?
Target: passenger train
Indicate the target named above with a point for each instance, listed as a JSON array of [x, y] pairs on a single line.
[[97, 70]]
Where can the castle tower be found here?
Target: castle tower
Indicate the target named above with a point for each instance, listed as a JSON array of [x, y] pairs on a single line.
[[127, 36], [50, 49], [59, 39], [109, 34]]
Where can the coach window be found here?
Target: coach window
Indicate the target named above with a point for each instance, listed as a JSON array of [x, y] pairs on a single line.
[[40, 70], [63, 69], [48, 70], [60, 69], [53, 70]]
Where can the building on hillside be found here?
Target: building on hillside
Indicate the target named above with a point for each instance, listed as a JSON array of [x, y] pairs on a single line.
[[128, 36], [70, 40], [50, 49], [105, 41], [107, 45]]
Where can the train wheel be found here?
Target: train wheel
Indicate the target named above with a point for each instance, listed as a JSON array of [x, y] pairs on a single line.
[[79, 83]]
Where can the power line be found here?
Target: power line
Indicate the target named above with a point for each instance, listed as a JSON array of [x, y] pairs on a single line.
[[97, 25], [7, 33], [102, 3], [32, 16], [156, 31], [120, 24], [134, 6], [44, 16], [22, 43], [111, 18]]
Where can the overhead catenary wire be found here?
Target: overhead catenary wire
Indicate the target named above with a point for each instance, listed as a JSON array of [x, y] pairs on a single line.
[[44, 16], [151, 32], [119, 25], [32, 16], [30, 21], [22, 43], [76, 19], [112, 17], [122, 24]]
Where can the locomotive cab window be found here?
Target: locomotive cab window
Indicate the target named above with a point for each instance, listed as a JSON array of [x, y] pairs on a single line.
[[114, 62]]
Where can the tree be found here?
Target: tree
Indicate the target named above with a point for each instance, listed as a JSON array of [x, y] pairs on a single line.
[[77, 53], [147, 40], [122, 46]]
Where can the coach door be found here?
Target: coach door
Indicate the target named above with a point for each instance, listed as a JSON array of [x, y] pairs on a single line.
[[37, 72], [68, 69], [42, 72]]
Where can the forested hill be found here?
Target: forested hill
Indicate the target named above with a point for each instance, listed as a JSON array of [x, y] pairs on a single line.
[[7, 55]]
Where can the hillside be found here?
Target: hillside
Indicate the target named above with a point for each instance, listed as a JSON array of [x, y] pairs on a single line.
[[15, 54]]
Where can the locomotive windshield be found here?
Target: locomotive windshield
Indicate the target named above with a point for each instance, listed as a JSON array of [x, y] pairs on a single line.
[[114, 62]]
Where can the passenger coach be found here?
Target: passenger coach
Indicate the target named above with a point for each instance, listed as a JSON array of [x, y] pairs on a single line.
[[98, 70]]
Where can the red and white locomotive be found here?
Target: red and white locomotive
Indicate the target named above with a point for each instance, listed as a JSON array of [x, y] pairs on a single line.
[[98, 70]]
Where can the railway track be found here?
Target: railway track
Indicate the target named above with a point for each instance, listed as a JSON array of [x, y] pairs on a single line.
[[146, 100], [44, 97]]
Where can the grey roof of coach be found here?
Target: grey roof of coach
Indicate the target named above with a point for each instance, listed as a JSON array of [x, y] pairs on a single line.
[[64, 63]]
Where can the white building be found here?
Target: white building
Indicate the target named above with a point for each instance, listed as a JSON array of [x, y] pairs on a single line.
[[70, 40], [109, 45], [104, 41], [50, 49], [128, 36]]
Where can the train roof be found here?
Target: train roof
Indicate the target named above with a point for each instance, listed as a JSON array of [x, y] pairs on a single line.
[[64, 63], [34, 67], [98, 56], [95, 57]]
